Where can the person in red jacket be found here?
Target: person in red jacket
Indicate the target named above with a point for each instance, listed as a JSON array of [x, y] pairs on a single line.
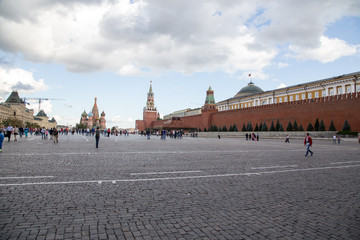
[[308, 143]]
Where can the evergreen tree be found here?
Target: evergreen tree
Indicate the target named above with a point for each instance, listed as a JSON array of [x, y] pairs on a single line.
[[316, 125], [216, 128], [272, 128], [310, 127], [261, 126], [281, 129], [322, 126], [250, 127], [264, 128], [224, 129], [277, 127], [205, 130], [332, 126], [243, 128], [231, 129], [346, 126], [295, 126], [301, 128], [289, 127], [235, 128], [256, 128]]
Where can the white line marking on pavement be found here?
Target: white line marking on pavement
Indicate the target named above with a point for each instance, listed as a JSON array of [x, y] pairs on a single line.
[[286, 166], [85, 138], [345, 162], [155, 173], [179, 178], [27, 177]]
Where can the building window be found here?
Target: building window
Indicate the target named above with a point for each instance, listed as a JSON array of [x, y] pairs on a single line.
[[323, 94], [316, 94], [263, 102], [275, 100], [331, 91], [280, 99], [291, 98], [339, 90], [286, 98], [309, 95], [357, 88], [270, 101], [297, 97], [348, 89], [245, 104], [303, 96]]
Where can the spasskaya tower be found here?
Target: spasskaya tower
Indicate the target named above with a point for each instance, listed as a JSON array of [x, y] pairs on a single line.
[[150, 112]]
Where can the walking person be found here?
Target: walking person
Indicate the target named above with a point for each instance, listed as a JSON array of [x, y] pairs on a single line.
[[287, 140], [97, 136], [308, 143], [338, 138], [26, 131], [9, 131], [219, 135], [56, 135], [334, 139], [16, 132], [1, 140]]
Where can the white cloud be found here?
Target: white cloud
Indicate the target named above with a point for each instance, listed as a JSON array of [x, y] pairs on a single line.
[[21, 80], [185, 36], [329, 50], [120, 121], [282, 85], [282, 65]]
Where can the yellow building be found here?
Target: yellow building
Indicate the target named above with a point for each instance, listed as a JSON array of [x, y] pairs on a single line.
[[15, 107], [252, 95]]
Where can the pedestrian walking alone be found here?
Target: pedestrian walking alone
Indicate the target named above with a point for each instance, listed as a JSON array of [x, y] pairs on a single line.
[[9, 131], [97, 136], [338, 138], [308, 143], [56, 135]]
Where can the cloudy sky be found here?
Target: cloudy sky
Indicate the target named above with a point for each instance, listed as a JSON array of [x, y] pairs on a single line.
[[76, 50]]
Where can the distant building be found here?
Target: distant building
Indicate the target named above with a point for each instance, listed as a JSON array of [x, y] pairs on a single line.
[[150, 113], [332, 100], [92, 119], [42, 119], [14, 107]]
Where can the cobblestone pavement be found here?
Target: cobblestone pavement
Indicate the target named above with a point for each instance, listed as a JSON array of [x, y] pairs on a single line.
[[194, 188]]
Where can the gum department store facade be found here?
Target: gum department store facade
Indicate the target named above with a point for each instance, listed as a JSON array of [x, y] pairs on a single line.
[[332, 99]]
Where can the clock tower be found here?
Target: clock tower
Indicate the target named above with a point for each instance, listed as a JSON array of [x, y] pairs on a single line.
[[150, 112]]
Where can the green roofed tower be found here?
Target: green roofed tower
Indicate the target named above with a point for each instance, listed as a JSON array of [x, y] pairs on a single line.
[[210, 99]]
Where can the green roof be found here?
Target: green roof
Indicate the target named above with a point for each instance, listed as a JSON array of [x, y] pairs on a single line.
[[41, 114], [14, 98]]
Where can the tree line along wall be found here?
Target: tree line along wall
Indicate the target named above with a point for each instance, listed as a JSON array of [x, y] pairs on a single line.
[[333, 108]]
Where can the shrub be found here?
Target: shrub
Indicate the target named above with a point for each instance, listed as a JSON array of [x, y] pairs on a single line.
[[301, 128], [289, 127], [243, 128], [277, 127], [332, 126], [256, 128], [235, 128], [346, 127], [264, 127], [316, 125], [322, 126], [272, 128], [295, 126], [310, 127], [281, 129]]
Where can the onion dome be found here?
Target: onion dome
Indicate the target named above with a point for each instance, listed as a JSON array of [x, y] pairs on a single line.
[[249, 90], [84, 114], [90, 114], [103, 114]]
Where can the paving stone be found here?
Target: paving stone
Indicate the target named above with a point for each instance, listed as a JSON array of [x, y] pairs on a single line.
[[192, 188]]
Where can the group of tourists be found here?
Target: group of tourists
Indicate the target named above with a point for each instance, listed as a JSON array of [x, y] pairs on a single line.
[[252, 136]]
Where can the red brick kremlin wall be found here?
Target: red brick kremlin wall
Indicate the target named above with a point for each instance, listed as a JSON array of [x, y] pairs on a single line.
[[336, 108]]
